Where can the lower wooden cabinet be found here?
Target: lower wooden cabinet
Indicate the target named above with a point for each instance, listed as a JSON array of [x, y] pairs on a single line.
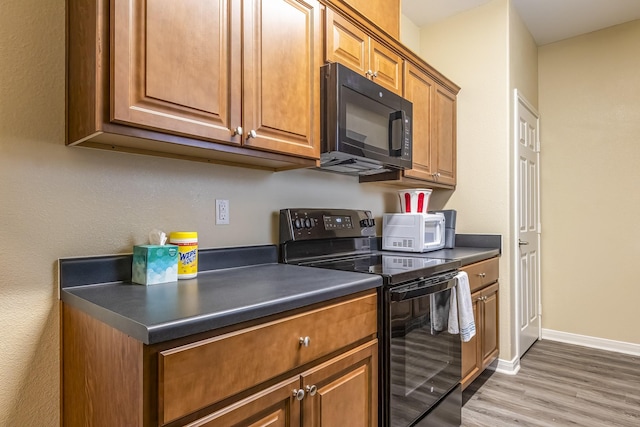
[[313, 367], [273, 406], [483, 348], [347, 390], [342, 391]]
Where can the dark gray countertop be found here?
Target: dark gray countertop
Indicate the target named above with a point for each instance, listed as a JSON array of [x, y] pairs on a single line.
[[465, 255], [214, 299], [237, 285]]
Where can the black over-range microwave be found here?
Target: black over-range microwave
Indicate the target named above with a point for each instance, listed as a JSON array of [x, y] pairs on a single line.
[[365, 128]]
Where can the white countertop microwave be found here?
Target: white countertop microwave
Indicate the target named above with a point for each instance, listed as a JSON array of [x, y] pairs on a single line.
[[413, 232]]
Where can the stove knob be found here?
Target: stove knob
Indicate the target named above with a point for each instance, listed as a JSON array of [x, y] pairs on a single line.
[[368, 222], [308, 223], [297, 223]]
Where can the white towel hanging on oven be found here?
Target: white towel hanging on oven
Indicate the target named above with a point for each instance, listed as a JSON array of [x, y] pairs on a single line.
[[461, 309]]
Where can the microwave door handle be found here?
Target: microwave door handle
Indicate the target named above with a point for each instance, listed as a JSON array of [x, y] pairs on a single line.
[[396, 115]]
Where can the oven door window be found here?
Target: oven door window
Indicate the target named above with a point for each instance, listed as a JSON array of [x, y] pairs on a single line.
[[424, 356]]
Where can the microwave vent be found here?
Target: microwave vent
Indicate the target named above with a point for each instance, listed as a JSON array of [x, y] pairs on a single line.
[[403, 243]]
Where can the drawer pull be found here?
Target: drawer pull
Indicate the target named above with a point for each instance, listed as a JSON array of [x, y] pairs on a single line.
[[482, 275], [298, 393], [305, 341], [312, 390]]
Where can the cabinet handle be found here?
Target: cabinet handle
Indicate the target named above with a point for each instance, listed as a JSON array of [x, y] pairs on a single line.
[[237, 131], [369, 73], [305, 341], [374, 75], [252, 134], [312, 390], [481, 275], [522, 242], [298, 393]]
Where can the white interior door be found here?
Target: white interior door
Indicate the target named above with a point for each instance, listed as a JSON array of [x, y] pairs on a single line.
[[527, 141]]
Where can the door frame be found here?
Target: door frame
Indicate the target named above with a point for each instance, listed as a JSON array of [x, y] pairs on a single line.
[[518, 98]]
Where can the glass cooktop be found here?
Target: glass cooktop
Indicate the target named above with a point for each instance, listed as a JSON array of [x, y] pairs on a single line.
[[394, 268]]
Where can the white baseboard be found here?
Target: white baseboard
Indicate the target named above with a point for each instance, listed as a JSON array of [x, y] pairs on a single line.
[[593, 342], [509, 367]]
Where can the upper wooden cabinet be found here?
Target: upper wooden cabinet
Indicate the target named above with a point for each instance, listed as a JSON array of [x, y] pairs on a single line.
[[419, 88], [175, 68], [350, 45], [434, 129], [282, 57], [434, 133], [383, 13], [444, 130], [203, 78]]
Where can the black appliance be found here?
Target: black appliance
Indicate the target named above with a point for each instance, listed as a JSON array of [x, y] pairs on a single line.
[[365, 128], [420, 361]]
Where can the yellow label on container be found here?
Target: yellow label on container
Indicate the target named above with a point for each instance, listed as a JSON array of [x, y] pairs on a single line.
[[187, 258]]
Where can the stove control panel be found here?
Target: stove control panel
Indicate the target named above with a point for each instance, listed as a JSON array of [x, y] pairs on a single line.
[[308, 224]]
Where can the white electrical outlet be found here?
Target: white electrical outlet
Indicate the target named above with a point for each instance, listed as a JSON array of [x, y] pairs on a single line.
[[222, 212]]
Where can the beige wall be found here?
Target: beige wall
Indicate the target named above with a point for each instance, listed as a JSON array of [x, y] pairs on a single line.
[[58, 201], [409, 34], [590, 108], [471, 48]]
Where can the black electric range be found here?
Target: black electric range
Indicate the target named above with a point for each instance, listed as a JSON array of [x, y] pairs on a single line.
[[420, 361]]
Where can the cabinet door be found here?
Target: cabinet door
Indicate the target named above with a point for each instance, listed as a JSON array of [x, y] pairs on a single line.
[[444, 136], [281, 68], [489, 324], [471, 362], [176, 66], [384, 13], [274, 407], [386, 66], [419, 89], [346, 390], [346, 43]]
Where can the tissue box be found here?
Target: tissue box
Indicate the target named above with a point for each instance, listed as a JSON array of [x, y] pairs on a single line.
[[153, 264]]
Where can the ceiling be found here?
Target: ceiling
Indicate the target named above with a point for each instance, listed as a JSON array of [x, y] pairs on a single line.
[[547, 20]]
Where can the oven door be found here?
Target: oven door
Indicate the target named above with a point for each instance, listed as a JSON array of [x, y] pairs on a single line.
[[423, 362]]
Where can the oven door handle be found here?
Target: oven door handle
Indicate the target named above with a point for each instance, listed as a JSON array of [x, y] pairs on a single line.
[[408, 292]]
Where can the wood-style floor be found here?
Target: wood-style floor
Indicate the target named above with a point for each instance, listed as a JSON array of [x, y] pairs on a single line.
[[559, 385]]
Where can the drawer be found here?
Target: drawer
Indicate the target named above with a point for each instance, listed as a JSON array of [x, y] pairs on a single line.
[[482, 273], [196, 375]]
